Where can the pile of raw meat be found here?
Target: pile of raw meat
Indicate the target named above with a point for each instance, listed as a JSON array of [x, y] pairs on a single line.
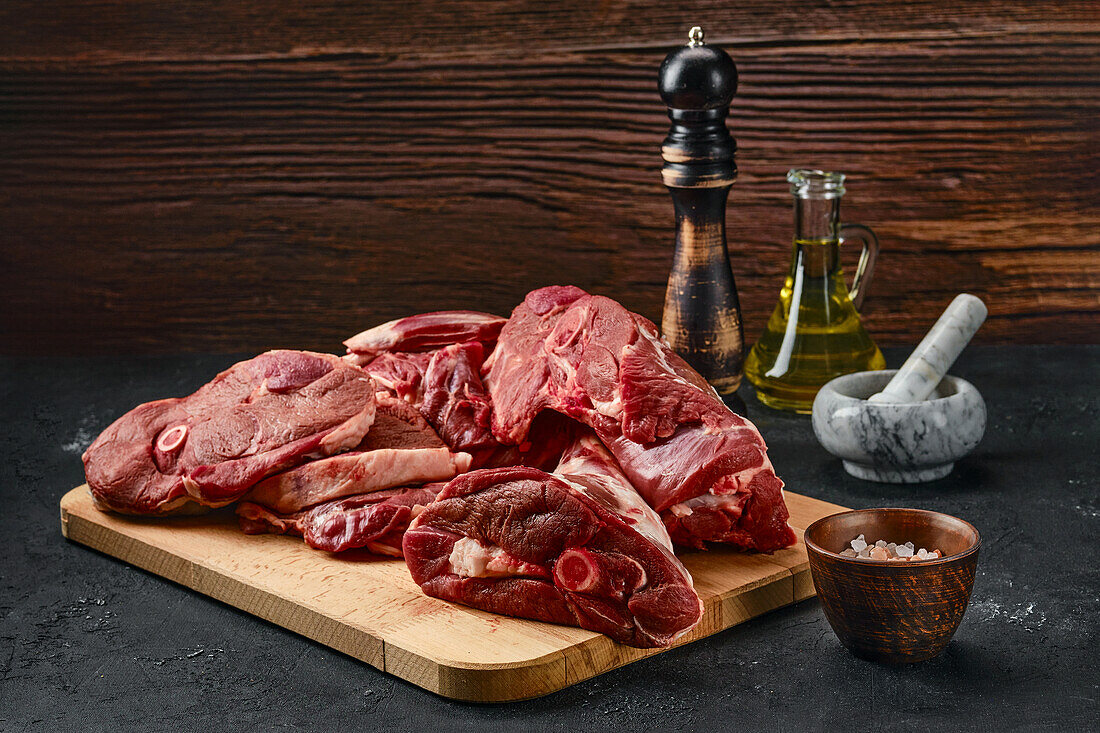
[[539, 466]]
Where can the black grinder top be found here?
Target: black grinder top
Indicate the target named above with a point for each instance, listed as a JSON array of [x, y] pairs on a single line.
[[697, 83]]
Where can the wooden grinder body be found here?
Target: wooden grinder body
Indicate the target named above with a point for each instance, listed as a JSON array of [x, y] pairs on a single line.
[[702, 316]]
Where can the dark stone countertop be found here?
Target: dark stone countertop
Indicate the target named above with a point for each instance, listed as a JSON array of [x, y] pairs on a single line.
[[90, 643]]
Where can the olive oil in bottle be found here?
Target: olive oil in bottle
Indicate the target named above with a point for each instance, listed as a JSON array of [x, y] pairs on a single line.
[[815, 333]]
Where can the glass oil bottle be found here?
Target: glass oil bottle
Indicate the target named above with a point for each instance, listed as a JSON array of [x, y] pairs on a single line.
[[815, 333]]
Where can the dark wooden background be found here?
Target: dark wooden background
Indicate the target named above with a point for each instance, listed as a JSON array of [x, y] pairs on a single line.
[[181, 176]]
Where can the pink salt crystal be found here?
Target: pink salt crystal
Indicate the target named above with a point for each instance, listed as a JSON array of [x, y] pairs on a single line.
[[882, 550]]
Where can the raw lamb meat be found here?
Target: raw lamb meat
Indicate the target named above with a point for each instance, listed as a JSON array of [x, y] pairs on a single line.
[[550, 434], [576, 547], [456, 402], [445, 385], [255, 419], [709, 485], [424, 332], [704, 468], [400, 373], [433, 361], [401, 449], [375, 521]]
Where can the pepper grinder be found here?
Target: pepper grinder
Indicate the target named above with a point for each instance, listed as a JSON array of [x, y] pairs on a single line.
[[702, 317]]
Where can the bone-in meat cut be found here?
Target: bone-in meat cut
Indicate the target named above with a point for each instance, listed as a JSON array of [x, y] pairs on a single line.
[[704, 468], [577, 547], [255, 419]]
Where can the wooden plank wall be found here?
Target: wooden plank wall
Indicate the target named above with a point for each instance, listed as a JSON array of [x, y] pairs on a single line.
[[238, 175]]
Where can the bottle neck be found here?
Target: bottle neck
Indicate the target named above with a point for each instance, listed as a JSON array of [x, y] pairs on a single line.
[[817, 219]]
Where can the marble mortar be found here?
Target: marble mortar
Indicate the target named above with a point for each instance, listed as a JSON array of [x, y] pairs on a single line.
[[898, 442]]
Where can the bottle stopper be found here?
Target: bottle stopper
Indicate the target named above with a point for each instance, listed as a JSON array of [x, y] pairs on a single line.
[[941, 346]]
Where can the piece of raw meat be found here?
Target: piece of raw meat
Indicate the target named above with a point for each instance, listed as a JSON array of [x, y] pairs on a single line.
[[255, 419], [456, 402], [375, 521], [445, 385], [425, 332], [704, 468], [550, 434], [576, 547], [400, 373], [401, 449], [709, 485]]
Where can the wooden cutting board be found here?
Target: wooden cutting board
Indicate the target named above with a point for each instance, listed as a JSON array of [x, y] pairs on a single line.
[[369, 607]]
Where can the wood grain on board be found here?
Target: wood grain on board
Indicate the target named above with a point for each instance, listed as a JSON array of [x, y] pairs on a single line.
[[368, 607], [233, 176]]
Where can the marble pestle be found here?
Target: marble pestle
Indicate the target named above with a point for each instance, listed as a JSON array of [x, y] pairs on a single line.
[[935, 354]]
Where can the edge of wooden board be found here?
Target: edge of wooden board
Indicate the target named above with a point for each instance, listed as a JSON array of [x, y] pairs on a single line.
[[584, 654], [256, 601]]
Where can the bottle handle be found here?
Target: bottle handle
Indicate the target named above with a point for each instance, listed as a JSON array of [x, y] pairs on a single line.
[[867, 258]]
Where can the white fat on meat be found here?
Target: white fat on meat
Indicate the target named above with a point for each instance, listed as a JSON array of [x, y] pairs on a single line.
[[596, 474], [661, 344], [356, 473], [590, 469], [612, 408], [379, 548], [716, 501], [723, 494], [624, 501], [473, 559], [375, 340]]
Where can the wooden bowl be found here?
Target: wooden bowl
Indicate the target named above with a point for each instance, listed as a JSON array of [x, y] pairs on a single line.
[[893, 611]]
